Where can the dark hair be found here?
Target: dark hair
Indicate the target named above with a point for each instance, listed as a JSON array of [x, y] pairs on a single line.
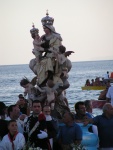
[[36, 101], [21, 96], [62, 49], [78, 104], [2, 107], [24, 81], [50, 83], [71, 114], [87, 103], [10, 109], [10, 121]]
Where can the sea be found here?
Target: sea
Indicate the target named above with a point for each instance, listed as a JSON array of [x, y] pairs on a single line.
[[10, 76]]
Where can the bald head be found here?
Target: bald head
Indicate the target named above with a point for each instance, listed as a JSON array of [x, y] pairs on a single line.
[[107, 107]]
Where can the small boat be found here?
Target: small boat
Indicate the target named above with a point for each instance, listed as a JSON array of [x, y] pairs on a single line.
[[111, 80], [93, 87], [98, 103]]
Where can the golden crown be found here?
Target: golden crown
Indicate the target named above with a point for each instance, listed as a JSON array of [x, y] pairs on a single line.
[[47, 20]]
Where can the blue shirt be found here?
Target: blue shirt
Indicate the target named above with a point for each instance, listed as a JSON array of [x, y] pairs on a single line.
[[105, 130], [68, 134]]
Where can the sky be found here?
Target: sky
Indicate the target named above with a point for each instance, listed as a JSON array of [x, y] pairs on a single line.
[[86, 27]]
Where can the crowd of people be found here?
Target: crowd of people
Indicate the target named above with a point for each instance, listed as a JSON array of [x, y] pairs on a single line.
[[22, 130], [97, 81]]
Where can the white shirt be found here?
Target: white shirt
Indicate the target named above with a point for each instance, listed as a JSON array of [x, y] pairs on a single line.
[[110, 94], [19, 142], [106, 76]]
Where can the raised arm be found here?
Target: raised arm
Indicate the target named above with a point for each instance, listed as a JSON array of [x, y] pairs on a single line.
[[41, 90]]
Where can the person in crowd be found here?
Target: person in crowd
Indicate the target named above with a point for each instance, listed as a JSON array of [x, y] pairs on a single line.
[[81, 113], [70, 134], [35, 128], [104, 123], [52, 124], [87, 82], [97, 82], [23, 105], [14, 113], [109, 95], [3, 123], [80, 110], [103, 93], [106, 76], [92, 82], [13, 140], [89, 107], [3, 108]]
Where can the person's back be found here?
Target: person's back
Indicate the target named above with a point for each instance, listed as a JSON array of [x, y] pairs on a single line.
[[102, 95]]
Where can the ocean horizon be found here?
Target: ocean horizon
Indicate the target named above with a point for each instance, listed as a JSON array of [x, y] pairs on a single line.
[[10, 76]]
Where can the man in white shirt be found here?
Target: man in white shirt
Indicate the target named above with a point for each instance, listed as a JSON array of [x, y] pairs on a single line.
[[106, 76]]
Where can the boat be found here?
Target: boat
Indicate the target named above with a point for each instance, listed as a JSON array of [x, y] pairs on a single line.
[[110, 79], [93, 87], [98, 103]]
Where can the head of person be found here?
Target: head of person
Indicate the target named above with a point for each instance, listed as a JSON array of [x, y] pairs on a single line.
[[36, 107], [80, 108], [12, 127], [24, 82], [50, 83], [13, 111], [2, 108], [108, 109], [92, 80], [46, 110], [88, 105], [108, 84], [21, 99], [68, 117], [62, 49]]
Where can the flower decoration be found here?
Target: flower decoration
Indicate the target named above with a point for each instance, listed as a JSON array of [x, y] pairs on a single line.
[[41, 117]]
